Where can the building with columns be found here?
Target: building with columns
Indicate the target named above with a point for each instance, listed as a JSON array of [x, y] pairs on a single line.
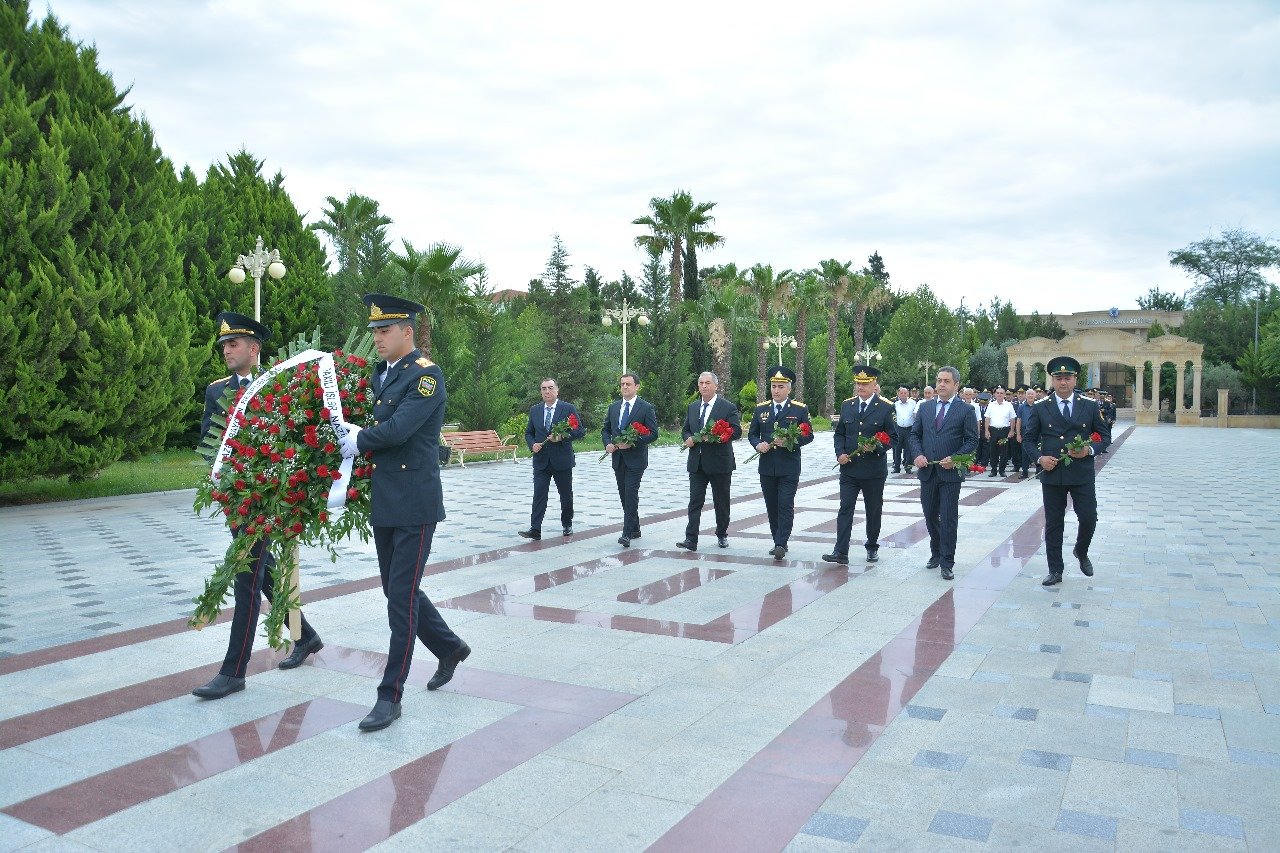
[[1115, 355]]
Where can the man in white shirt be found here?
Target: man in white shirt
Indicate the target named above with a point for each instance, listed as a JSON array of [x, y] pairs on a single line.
[[904, 415], [1000, 418]]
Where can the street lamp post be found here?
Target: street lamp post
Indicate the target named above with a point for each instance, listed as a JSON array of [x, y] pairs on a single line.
[[868, 355], [256, 263], [926, 366], [779, 340], [624, 316]]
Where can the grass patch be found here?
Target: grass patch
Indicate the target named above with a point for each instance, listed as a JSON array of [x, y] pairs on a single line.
[[156, 472]]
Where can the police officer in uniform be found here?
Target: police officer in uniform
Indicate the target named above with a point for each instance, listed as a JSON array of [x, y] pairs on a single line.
[[407, 500], [241, 340], [861, 416], [779, 467], [1053, 424]]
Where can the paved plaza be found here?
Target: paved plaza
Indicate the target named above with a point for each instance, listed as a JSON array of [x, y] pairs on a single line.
[[649, 698]]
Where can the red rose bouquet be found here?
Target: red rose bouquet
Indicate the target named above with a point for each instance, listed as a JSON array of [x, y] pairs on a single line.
[[873, 443], [631, 435], [720, 432], [279, 476], [560, 429], [787, 437], [1077, 443]]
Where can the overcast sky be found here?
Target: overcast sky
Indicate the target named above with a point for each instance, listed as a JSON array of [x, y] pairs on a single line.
[[1049, 153]]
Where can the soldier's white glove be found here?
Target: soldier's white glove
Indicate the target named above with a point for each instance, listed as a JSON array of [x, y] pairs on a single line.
[[349, 446]]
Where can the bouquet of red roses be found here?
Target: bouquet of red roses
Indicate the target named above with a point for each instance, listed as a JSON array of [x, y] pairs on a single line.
[[560, 429], [873, 443], [720, 432], [787, 437], [279, 475], [1077, 443], [631, 435]]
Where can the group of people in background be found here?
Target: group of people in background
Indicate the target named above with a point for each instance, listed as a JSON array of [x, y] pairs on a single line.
[[930, 431]]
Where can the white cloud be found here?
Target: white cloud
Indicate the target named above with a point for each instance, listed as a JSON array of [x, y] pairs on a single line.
[[1051, 154]]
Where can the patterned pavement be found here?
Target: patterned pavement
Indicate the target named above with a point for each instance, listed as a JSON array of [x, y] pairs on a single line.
[[624, 699]]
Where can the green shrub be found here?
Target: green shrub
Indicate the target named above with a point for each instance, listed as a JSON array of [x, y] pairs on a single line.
[[514, 425], [747, 396]]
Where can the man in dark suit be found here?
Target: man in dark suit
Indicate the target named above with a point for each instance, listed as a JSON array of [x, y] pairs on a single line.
[[1053, 424], [945, 426], [553, 457], [407, 500], [779, 467], [709, 461], [241, 339], [629, 460], [861, 416]]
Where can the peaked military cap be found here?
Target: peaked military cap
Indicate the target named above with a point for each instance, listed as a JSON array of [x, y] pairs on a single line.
[[780, 373], [865, 373], [1062, 364], [233, 325], [385, 309]]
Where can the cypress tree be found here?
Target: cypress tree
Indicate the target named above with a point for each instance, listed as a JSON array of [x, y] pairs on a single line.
[[95, 327]]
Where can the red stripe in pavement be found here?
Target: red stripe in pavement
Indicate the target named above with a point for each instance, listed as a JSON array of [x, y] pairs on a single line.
[[81, 803]]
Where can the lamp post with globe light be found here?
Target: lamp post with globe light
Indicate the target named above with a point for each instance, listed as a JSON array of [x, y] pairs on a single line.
[[926, 366], [255, 264], [868, 355], [779, 340], [624, 316]]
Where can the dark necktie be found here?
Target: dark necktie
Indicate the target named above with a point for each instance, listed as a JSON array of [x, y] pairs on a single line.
[[244, 381], [862, 408], [777, 409], [546, 421], [1066, 412], [702, 419], [626, 410], [941, 416]]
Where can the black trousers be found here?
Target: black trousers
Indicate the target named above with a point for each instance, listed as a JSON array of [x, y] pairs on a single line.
[[941, 503], [1085, 501], [984, 450], [1000, 453], [542, 478], [402, 554], [780, 504], [698, 481], [628, 480], [250, 587], [873, 496], [900, 448]]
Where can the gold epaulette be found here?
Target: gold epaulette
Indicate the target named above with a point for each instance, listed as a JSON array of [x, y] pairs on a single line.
[[216, 381], [798, 403], [850, 400], [423, 362], [887, 400]]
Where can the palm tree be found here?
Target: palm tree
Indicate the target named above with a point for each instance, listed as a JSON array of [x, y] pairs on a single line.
[[769, 291], [726, 305], [349, 225], [438, 279], [866, 293], [835, 275], [675, 223], [808, 296]]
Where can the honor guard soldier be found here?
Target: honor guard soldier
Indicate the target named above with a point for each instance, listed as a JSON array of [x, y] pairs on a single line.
[[779, 467], [862, 416], [241, 340], [1063, 418], [407, 501]]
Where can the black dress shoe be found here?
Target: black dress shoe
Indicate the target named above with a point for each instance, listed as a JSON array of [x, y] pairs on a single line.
[[1054, 578], [897, 470], [384, 713], [873, 555], [444, 672], [947, 574], [778, 552], [568, 531], [222, 685], [933, 563], [687, 545], [624, 541], [841, 559], [722, 541], [301, 650], [635, 534], [531, 534], [992, 474], [1086, 565], [908, 469]]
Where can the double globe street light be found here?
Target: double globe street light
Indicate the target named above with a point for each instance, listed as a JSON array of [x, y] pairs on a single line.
[[255, 264], [624, 315], [779, 340]]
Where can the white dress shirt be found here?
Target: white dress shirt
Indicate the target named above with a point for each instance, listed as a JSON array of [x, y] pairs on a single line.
[[904, 412], [1001, 415]]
